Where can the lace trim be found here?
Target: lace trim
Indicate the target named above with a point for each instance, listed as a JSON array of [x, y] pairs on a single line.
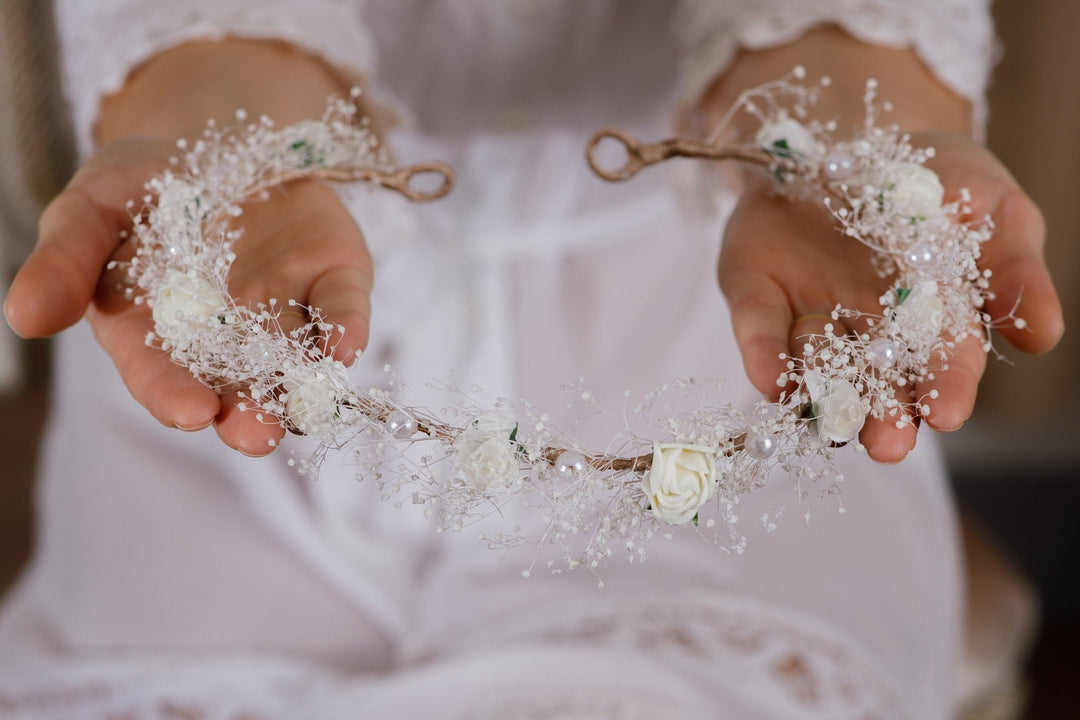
[[724, 652], [97, 63], [793, 664], [955, 38], [145, 688]]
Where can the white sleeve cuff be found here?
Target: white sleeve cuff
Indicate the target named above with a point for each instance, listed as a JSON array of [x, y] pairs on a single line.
[[955, 38], [102, 42]]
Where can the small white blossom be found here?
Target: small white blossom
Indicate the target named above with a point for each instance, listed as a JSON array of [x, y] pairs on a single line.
[[838, 409], [799, 140], [914, 190], [682, 479], [486, 454], [922, 308], [313, 397], [184, 301]]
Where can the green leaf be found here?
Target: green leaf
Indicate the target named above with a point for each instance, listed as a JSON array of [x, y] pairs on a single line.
[[781, 148], [513, 433], [902, 294], [298, 144], [695, 520]]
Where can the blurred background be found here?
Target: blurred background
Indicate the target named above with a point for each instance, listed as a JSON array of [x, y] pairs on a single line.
[[1014, 464]]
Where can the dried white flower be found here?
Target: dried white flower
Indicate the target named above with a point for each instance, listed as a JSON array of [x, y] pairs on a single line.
[[313, 397], [184, 301], [787, 136], [487, 455], [838, 410], [923, 307], [682, 479], [913, 190]]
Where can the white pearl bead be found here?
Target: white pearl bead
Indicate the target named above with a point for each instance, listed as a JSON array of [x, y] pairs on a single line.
[[921, 255], [838, 165], [400, 424], [760, 445], [570, 463], [881, 353]]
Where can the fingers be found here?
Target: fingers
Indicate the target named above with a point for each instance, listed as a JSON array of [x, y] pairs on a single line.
[[77, 234], [1015, 253], [761, 320], [53, 288], [1015, 256], [171, 394], [249, 431], [887, 443], [344, 295], [956, 386], [883, 440]]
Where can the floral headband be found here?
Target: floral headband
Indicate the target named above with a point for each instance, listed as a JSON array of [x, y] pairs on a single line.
[[478, 457]]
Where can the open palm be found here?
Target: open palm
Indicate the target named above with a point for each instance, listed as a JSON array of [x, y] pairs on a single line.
[[301, 244], [784, 267]]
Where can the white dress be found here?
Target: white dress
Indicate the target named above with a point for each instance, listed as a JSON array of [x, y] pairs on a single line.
[[173, 575]]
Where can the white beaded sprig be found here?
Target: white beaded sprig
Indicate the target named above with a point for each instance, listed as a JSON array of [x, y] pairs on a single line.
[[482, 458]]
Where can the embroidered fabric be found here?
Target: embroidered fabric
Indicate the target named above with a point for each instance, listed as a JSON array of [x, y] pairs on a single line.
[[955, 38], [777, 661], [676, 657]]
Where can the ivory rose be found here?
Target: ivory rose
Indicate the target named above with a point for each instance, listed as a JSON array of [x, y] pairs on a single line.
[[800, 141], [314, 396], [923, 306], [183, 301], [914, 190], [682, 479], [838, 410], [486, 454]]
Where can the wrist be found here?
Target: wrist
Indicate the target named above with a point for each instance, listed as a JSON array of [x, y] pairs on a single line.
[[921, 101], [175, 92]]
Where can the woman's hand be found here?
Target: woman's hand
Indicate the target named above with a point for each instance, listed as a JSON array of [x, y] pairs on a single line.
[[301, 244], [784, 267]]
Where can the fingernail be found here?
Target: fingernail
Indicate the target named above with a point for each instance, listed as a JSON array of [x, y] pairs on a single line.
[[192, 428], [245, 453], [7, 319]]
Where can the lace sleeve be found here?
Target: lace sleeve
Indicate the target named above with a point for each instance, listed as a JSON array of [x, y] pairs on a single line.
[[955, 38], [104, 40]]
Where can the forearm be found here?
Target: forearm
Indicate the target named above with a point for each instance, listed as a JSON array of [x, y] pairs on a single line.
[[920, 100], [174, 93]]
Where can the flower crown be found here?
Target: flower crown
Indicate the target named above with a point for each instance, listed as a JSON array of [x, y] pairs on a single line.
[[481, 456]]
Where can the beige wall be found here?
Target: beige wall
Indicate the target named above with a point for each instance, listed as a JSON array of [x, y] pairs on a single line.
[[1035, 129], [1026, 422]]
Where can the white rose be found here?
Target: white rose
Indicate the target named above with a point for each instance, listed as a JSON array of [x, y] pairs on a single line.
[[800, 141], [183, 301], [486, 454], [682, 479], [839, 412], [923, 307], [914, 190], [310, 406], [313, 397]]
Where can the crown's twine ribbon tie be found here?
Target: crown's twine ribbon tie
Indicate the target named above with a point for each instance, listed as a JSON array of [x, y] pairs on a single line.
[[640, 155]]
